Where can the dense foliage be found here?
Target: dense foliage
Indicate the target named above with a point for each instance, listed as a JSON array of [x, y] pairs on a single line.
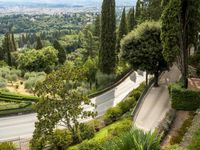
[[184, 99], [142, 49], [107, 54], [38, 60]]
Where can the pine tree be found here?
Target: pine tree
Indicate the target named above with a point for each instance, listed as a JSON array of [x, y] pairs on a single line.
[[61, 52], [131, 19], [122, 29], [107, 54], [38, 43], [1, 54]]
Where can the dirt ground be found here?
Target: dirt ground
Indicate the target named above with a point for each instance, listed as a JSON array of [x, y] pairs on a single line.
[[12, 87]]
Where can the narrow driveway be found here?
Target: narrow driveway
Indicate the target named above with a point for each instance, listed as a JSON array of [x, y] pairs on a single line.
[[23, 126], [156, 103]]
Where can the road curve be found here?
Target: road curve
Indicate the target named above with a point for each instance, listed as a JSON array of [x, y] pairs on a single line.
[[156, 103], [22, 126]]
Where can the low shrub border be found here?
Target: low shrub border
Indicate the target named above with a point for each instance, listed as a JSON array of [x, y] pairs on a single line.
[[12, 97], [184, 99]]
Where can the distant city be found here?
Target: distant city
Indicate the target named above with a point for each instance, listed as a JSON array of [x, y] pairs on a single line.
[[51, 7]]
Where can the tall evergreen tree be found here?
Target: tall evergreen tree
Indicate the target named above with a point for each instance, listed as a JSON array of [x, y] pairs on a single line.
[[61, 52], [97, 26], [123, 30], [38, 43], [138, 10], [7, 48], [131, 19], [14, 47], [107, 54], [180, 27], [1, 54]]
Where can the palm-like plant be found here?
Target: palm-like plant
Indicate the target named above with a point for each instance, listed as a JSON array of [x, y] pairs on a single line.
[[136, 139]]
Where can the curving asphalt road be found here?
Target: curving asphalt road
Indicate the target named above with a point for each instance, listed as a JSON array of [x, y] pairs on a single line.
[[22, 126], [156, 102]]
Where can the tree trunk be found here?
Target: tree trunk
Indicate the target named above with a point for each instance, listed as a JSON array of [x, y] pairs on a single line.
[[185, 42], [156, 75], [147, 80]]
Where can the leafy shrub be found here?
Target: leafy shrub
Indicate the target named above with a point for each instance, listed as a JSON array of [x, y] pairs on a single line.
[[97, 124], [184, 99], [181, 132], [195, 144], [86, 131], [137, 139], [137, 92], [90, 145], [198, 69], [127, 104], [104, 79], [60, 139], [7, 146], [119, 130], [112, 115], [2, 83]]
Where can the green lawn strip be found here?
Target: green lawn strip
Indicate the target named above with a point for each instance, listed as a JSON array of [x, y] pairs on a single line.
[[104, 133]]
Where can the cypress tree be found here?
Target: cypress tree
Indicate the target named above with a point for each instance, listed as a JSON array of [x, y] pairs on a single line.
[[13, 43], [1, 54], [131, 19], [7, 48], [38, 43], [61, 52], [97, 26], [122, 28], [107, 54], [138, 10], [180, 26]]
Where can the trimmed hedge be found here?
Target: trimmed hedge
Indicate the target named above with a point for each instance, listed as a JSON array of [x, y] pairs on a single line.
[[184, 99], [12, 97]]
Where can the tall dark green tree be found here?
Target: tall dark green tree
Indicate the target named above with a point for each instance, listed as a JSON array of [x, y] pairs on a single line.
[[180, 28], [138, 10], [107, 54], [123, 30], [61, 52], [1, 54], [7, 48], [131, 19], [38, 43], [97, 26], [14, 47]]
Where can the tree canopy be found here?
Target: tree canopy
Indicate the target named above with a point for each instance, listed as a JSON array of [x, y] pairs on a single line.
[[142, 48]]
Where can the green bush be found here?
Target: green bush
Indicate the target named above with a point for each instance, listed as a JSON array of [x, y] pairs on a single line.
[[127, 104], [7, 146], [184, 99], [137, 92], [60, 139], [97, 124], [2, 83], [112, 114], [86, 131], [195, 144], [90, 145], [119, 130], [134, 139]]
